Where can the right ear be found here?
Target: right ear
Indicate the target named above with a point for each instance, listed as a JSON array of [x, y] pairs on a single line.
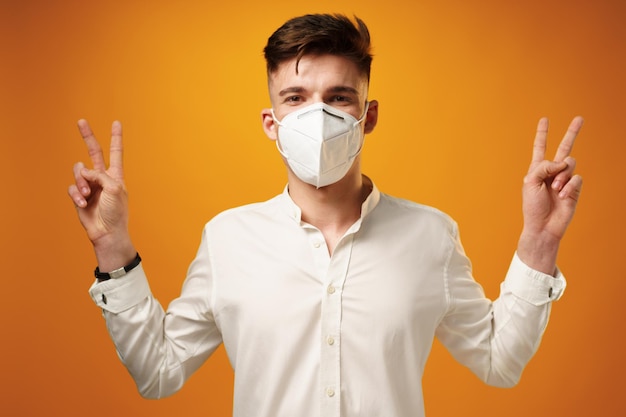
[[269, 125]]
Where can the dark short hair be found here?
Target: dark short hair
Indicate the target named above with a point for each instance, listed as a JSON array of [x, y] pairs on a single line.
[[333, 34]]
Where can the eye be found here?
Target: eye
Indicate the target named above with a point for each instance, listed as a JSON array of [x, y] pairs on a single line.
[[340, 99], [293, 99]]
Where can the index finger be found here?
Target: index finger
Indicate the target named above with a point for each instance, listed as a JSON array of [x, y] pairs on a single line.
[[93, 147], [566, 145], [539, 145], [116, 151]]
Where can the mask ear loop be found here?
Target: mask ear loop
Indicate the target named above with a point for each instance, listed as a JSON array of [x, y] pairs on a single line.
[[367, 107], [282, 153], [274, 117], [358, 151]]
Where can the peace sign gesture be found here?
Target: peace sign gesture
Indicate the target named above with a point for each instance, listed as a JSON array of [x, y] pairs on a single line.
[[550, 194], [101, 201]]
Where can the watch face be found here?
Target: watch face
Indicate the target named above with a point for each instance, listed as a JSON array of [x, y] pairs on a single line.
[[118, 273]]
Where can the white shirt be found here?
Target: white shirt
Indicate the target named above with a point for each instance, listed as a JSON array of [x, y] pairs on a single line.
[[310, 334]]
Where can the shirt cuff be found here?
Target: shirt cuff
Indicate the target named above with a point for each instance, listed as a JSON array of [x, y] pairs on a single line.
[[533, 286], [120, 294]]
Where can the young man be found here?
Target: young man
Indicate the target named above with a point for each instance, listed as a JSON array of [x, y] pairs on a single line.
[[327, 297]]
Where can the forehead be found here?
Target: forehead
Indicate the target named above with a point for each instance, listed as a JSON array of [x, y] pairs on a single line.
[[317, 72]]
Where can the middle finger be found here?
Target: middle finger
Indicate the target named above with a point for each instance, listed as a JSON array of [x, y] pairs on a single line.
[[566, 145]]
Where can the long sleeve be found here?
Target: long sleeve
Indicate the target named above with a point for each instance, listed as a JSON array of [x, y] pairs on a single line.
[[496, 339], [160, 350]]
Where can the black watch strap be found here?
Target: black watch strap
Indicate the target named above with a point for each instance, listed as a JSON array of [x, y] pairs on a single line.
[[103, 276]]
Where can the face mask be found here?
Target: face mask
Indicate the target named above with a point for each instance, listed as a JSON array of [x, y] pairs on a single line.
[[320, 142]]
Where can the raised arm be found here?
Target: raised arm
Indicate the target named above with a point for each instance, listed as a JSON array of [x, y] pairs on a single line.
[[99, 195], [550, 194]]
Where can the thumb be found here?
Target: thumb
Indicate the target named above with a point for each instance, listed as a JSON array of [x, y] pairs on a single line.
[[545, 170], [103, 180], [96, 176]]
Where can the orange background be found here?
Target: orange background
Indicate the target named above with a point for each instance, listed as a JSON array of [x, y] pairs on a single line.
[[461, 85]]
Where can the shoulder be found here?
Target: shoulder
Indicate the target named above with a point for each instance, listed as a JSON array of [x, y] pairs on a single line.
[[410, 208], [413, 214], [257, 212]]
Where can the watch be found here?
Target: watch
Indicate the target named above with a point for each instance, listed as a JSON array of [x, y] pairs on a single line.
[[120, 272]]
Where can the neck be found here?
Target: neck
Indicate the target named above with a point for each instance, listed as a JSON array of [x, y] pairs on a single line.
[[334, 208]]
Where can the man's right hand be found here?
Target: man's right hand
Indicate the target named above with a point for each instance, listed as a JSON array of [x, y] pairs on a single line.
[[101, 201]]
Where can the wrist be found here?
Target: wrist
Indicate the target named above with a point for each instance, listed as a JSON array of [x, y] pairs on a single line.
[[112, 254], [117, 273], [538, 252]]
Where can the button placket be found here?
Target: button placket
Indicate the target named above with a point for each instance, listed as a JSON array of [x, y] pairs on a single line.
[[330, 338]]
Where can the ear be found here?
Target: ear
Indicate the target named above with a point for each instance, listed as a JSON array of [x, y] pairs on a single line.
[[372, 117], [269, 126]]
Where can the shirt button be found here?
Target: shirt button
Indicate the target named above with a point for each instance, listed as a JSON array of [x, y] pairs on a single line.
[[316, 245], [330, 340], [330, 289], [330, 392]]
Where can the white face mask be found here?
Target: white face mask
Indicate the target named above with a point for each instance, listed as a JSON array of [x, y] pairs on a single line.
[[320, 142]]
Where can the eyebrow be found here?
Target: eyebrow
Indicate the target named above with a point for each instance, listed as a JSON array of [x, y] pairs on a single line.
[[289, 90], [344, 89], [336, 89]]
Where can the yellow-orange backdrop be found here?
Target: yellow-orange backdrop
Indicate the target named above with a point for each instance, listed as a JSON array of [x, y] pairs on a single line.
[[461, 85]]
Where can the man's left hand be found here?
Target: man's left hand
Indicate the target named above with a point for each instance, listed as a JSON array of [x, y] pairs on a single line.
[[550, 195]]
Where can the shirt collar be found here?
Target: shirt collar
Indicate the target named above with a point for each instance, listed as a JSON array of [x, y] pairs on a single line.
[[293, 211], [291, 208], [372, 199]]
